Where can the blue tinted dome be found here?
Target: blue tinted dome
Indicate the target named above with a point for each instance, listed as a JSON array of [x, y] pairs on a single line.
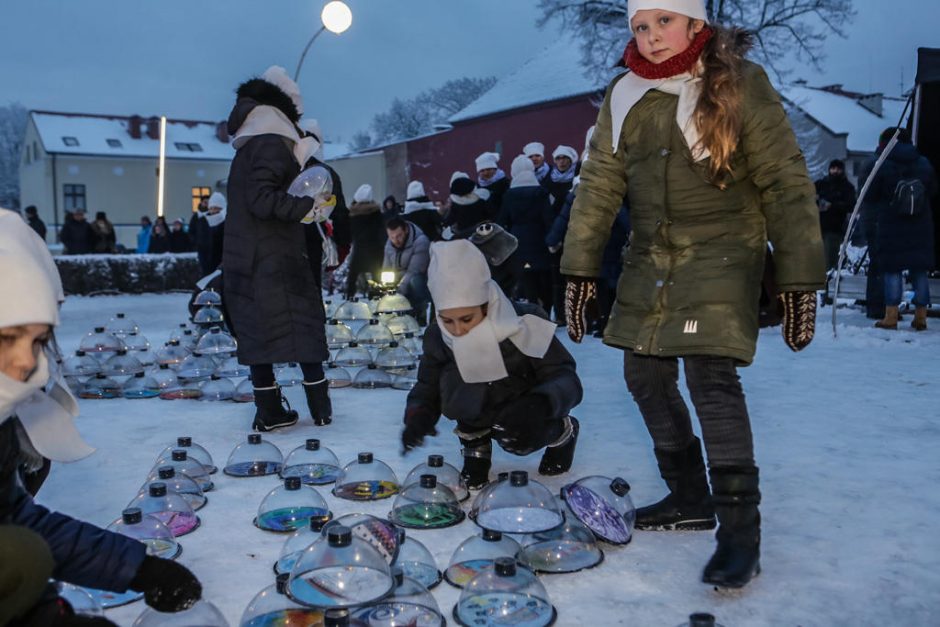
[[410, 603], [122, 364], [100, 387], [604, 506], [120, 325], [290, 506], [313, 463], [80, 364], [255, 457], [140, 386], [505, 591], [100, 344]]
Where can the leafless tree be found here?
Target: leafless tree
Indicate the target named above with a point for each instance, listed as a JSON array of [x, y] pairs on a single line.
[[12, 129]]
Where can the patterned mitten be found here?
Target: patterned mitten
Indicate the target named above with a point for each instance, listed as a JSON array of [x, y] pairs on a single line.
[[580, 306], [799, 318]]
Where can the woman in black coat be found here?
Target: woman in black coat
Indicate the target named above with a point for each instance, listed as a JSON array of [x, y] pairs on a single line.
[[368, 238], [270, 288]]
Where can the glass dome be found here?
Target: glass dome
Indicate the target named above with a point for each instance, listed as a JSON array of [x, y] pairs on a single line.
[[290, 507], [202, 614], [565, 549], [504, 595], [374, 334], [394, 358], [208, 316], [179, 483], [417, 562], [411, 344], [399, 325], [312, 463], [366, 479], [145, 356], [339, 570], [168, 507], [482, 495], [604, 506], [446, 475], [136, 342], [229, 367], [120, 325], [172, 354], [298, 542], [393, 303], [216, 342], [409, 605], [188, 340], [273, 608], [196, 367], [338, 377], [331, 306], [122, 365], [217, 389], [381, 534], [100, 344], [289, 375], [353, 356], [177, 333], [478, 553], [254, 458], [519, 505], [193, 451], [426, 505], [159, 539], [338, 334], [179, 459], [353, 310], [81, 365], [82, 602], [208, 298], [244, 392], [164, 376], [405, 379], [140, 386], [100, 387], [371, 378], [185, 389]]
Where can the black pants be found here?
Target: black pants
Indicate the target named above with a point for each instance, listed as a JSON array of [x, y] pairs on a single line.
[[536, 287], [262, 375], [716, 393]]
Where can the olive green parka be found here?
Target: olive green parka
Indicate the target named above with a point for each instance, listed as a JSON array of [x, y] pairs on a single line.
[[691, 276]]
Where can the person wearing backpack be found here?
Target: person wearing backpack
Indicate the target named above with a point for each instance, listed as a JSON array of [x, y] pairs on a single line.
[[899, 203]]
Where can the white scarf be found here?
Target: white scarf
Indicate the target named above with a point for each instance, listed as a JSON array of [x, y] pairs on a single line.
[[542, 171], [563, 177], [499, 176], [631, 88], [477, 353], [215, 219], [267, 120]]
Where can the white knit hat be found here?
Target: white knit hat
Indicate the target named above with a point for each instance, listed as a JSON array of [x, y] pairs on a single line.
[[277, 76], [458, 175], [458, 275], [534, 148], [415, 190], [566, 151], [364, 193], [217, 199], [692, 8], [487, 160], [29, 279]]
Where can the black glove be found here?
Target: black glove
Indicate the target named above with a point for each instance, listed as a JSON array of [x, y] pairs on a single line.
[[580, 306], [799, 318], [419, 422], [167, 586], [518, 426]]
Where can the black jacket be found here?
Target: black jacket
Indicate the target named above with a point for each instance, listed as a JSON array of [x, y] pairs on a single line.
[[78, 237], [424, 214], [527, 214], [475, 406], [368, 237], [558, 191], [463, 217], [497, 190], [180, 242], [39, 226], [339, 218], [839, 193], [159, 244]]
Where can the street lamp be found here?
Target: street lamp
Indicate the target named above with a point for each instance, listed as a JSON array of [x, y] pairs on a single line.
[[336, 18]]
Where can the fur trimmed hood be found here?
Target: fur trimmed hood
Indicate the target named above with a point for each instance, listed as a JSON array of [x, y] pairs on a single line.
[[255, 92], [357, 209]]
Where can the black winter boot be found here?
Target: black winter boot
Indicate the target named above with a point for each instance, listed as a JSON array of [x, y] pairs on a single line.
[[477, 454], [318, 400], [557, 459], [688, 506], [271, 413], [737, 559]]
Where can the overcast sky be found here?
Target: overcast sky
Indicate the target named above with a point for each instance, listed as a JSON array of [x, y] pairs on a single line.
[[183, 58]]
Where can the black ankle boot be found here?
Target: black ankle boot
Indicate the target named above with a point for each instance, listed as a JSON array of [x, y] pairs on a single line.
[[688, 506], [557, 460], [271, 413], [477, 455], [318, 400], [737, 559]]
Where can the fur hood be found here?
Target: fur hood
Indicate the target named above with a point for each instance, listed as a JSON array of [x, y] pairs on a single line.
[[256, 92], [358, 209]]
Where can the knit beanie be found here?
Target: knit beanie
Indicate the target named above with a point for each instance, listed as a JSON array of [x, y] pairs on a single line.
[[415, 190], [566, 151], [277, 76], [534, 148], [29, 279], [458, 275], [217, 199], [488, 160], [462, 185], [364, 193], [691, 8]]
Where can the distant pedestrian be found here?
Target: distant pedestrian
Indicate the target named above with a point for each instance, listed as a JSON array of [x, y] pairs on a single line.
[[390, 207], [368, 238], [143, 235], [420, 211], [179, 239], [159, 238], [105, 238], [536, 152], [32, 218], [835, 198], [491, 178], [77, 235]]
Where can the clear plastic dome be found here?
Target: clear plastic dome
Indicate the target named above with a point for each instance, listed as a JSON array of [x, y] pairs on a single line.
[[504, 595], [100, 387], [482, 495], [366, 479], [168, 507], [409, 605], [353, 356], [478, 553], [202, 614], [371, 378], [289, 375], [399, 325], [331, 306], [273, 608], [136, 342], [140, 386], [121, 364], [314, 182], [145, 356], [244, 392], [196, 368], [120, 325], [189, 339], [393, 303], [565, 549], [177, 333], [354, 309], [338, 335], [172, 354], [254, 458], [208, 317], [394, 358], [179, 459], [81, 600], [208, 298], [179, 483], [446, 475], [406, 378], [193, 451], [229, 367], [339, 570], [151, 531], [216, 342], [164, 376], [381, 534], [81, 365], [338, 377], [604, 506], [75, 385], [217, 389], [312, 463], [291, 506], [100, 344], [374, 334], [183, 390], [417, 562], [426, 505], [410, 343], [519, 505], [297, 542], [373, 305]]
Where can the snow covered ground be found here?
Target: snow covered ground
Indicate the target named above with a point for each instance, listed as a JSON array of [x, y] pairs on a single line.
[[846, 435]]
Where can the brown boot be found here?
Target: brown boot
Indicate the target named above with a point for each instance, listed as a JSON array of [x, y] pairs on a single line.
[[890, 320], [919, 323]]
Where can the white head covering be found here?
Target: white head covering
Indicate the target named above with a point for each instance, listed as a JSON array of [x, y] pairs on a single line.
[[364, 194], [692, 8], [32, 292], [217, 199], [523, 173], [566, 151], [487, 160], [415, 190], [458, 276], [312, 126], [278, 76], [534, 148]]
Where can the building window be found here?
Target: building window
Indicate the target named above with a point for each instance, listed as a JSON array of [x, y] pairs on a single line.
[[198, 194], [114, 143], [74, 196], [70, 141], [188, 147]]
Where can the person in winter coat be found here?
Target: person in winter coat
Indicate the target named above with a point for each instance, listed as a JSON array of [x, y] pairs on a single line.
[[835, 198], [562, 175], [406, 253], [390, 208], [491, 178], [527, 214], [270, 288], [179, 238], [143, 235], [368, 238], [420, 211], [77, 235], [159, 238], [903, 226], [467, 209], [210, 233], [712, 170], [494, 367], [34, 221], [105, 239], [536, 152], [36, 422]]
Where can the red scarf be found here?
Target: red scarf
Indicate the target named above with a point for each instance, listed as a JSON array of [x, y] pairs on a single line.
[[679, 64]]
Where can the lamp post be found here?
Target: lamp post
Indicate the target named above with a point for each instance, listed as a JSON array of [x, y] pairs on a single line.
[[336, 18]]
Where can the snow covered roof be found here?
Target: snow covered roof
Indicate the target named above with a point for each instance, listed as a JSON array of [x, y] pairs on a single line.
[[110, 135], [555, 73], [843, 114]]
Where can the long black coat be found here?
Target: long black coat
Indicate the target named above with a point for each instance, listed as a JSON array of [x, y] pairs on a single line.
[[839, 193], [464, 217], [476, 406], [78, 237], [497, 190], [270, 290], [527, 214]]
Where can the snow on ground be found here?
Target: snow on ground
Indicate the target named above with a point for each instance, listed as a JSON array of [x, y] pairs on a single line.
[[845, 436]]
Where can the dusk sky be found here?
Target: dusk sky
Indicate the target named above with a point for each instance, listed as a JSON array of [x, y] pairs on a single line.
[[184, 59]]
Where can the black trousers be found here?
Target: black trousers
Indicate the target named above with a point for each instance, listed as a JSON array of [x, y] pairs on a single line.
[[262, 375], [716, 393], [536, 287]]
